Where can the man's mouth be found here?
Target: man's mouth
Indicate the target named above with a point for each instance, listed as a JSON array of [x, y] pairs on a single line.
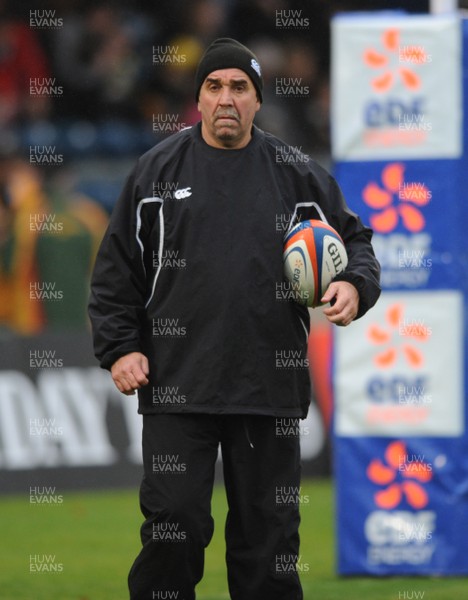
[[227, 118]]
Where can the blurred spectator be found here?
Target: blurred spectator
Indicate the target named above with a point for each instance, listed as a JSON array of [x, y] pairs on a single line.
[[205, 20], [22, 64], [100, 57], [176, 53], [296, 93], [47, 245], [252, 18], [21, 196]]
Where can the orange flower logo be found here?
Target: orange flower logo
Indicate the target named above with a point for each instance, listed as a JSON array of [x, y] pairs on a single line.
[[408, 485], [396, 200], [381, 60], [397, 325]]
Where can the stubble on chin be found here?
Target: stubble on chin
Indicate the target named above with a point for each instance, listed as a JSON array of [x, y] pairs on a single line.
[[226, 133]]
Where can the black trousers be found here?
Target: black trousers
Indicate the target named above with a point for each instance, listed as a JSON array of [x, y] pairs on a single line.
[[260, 464]]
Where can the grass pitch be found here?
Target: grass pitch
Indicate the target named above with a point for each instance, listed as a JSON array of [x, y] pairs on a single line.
[[92, 539]]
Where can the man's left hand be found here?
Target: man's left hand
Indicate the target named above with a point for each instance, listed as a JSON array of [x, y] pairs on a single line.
[[346, 305]]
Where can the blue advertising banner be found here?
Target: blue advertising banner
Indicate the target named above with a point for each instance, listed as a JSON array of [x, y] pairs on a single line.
[[400, 422], [414, 207], [405, 512]]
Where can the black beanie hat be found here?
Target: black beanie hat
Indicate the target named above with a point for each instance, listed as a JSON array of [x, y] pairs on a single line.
[[226, 53]]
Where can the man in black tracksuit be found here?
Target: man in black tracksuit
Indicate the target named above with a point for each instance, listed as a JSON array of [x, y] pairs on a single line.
[[185, 309]]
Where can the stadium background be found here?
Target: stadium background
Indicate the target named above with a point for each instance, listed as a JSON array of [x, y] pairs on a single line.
[[85, 87]]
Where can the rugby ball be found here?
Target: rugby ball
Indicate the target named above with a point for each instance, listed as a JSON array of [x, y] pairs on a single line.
[[313, 255]]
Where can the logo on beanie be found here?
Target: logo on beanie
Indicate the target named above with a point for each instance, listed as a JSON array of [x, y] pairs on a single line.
[[256, 67]]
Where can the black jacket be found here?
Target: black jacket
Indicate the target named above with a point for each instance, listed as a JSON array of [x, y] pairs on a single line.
[[190, 273]]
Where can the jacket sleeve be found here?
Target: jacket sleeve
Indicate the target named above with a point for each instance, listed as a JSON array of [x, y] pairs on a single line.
[[118, 284], [363, 269]]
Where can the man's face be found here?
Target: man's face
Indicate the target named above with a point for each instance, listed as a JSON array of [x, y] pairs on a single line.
[[227, 103]]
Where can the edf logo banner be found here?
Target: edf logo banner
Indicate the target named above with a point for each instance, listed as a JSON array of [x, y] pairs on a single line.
[[396, 84], [403, 382]]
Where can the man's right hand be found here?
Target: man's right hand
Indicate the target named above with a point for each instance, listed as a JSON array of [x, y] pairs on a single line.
[[130, 372]]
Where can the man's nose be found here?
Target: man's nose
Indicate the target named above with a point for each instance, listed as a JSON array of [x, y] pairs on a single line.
[[226, 96]]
